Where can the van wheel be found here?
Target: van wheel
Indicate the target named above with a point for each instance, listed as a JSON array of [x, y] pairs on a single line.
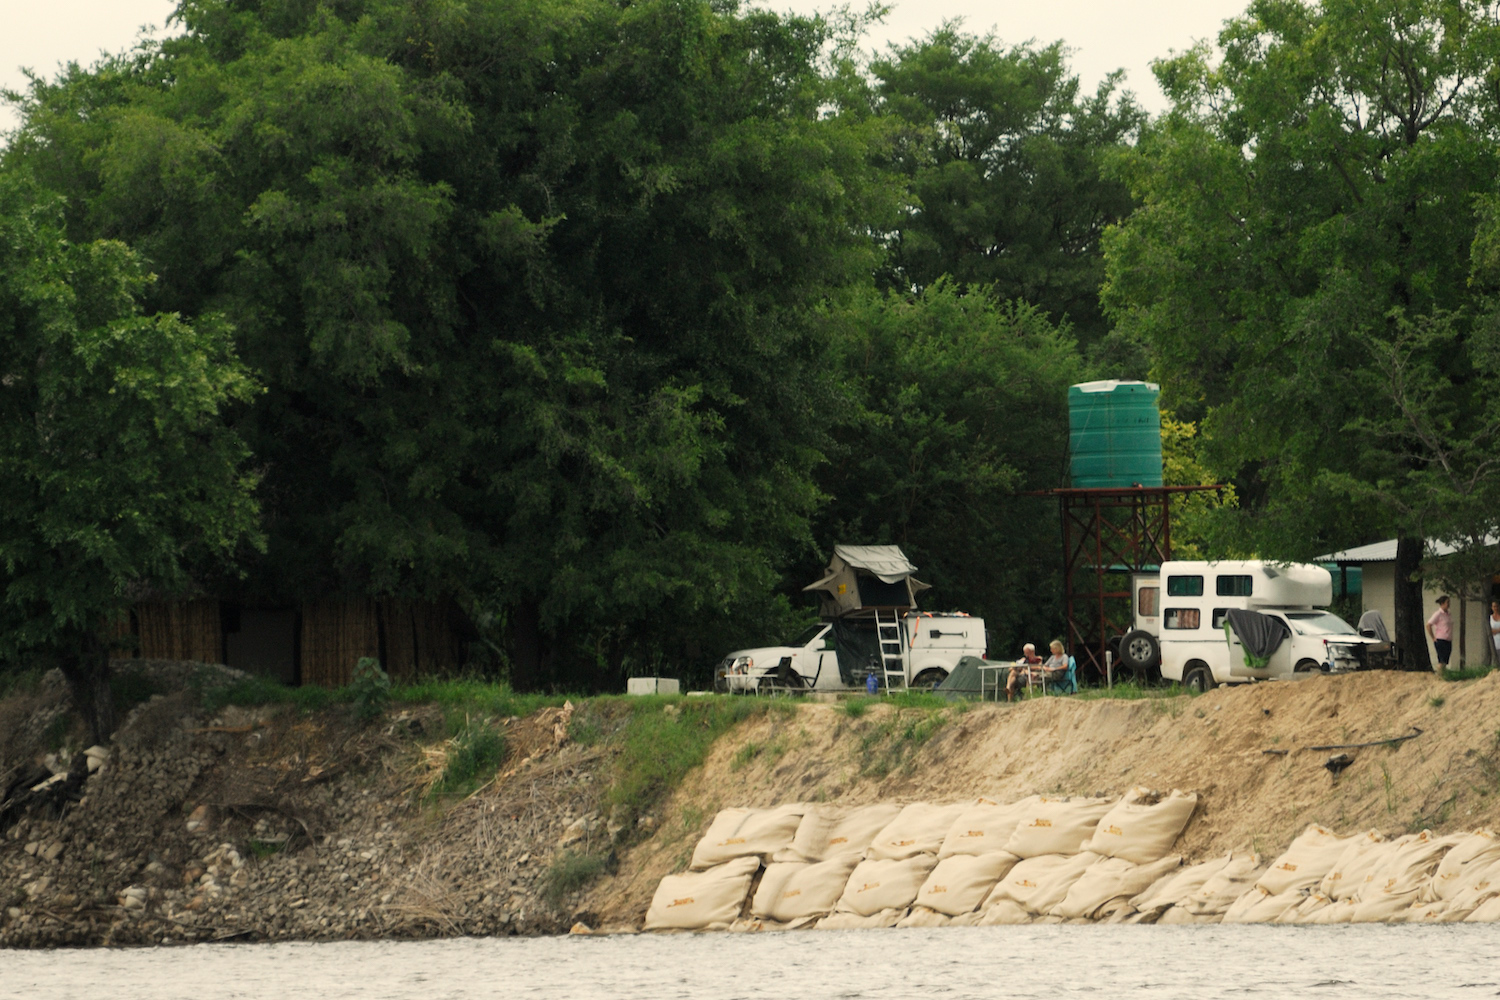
[[1140, 651], [929, 679], [1199, 680], [1308, 666]]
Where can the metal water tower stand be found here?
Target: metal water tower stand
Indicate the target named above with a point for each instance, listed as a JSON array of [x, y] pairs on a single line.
[[1109, 533]]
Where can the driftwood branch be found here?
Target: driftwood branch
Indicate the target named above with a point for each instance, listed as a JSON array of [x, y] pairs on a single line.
[[1415, 732]]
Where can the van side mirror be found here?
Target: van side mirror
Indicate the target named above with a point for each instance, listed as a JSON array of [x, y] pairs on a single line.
[[1367, 633]]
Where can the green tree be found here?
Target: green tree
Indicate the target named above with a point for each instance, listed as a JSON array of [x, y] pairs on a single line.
[[117, 472], [963, 405], [530, 288], [1303, 203], [1004, 159]]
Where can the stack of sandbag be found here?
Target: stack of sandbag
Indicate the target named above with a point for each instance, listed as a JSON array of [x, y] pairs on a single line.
[[790, 891], [919, 828], [984, 827], [1174, 888], [1107, 886], [1467, 877], [1209, 902], [1396, 884], [1143, 825], [961, 882], [739, 833], [830, 831], [880, 891], [706, 900], [1287, 883]]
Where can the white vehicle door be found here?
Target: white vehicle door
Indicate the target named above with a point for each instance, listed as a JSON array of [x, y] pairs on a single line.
[[1186, 635], [809, 659], [1147, 603]]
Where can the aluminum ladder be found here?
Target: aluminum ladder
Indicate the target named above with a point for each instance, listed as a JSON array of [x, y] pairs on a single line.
[[892, 649]]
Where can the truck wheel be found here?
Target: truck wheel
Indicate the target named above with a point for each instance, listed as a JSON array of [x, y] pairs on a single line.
[[929, 679], [1308, 667], [1198, 680], [1140, 652]]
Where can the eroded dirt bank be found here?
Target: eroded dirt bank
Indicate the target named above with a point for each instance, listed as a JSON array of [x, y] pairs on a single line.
[[270, 823]]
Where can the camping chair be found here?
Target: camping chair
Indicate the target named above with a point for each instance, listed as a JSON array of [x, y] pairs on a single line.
[[1066, 684]]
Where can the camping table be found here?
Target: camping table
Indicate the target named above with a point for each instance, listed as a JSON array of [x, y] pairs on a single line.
[[995, 668]]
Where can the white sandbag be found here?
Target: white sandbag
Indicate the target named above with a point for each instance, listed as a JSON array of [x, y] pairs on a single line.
[[1108, 880], [1055, 826], [1366, 852], [1335, 911], [1408, 869], [961, 882], [1485, 913], [831, 831], [790, 891], [966, 919], [1261, 907], [1116, 911], [1469, 862], [1142, 826], [1310, 904], [1004, 912], [1223, 887], [1420, 912], [884, 885], [984, 827], [921, 916], [918, 829], [702, 900], [1178, 915], [1038, 884], [1470, 897], [739, 833], [1174, 888], [844, 921], [1310, 857]]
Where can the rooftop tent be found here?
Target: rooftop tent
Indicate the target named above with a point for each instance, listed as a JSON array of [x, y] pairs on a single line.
[[863, 577]]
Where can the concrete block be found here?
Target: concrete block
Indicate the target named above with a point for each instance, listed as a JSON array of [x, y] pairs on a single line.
[[653, 685]]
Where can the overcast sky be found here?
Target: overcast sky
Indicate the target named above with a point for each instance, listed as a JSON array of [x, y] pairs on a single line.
[[1103, 34]]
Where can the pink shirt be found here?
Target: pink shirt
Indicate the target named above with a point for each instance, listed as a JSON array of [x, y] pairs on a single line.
[[1442, 624]]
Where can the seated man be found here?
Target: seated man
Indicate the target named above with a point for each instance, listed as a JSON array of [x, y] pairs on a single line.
[[1028, 667]]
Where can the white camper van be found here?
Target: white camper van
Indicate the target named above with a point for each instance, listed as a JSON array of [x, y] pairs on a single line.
[[917, 650], [1180, 614]]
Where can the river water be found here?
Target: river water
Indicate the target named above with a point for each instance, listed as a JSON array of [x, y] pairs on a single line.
[[1363, 961]]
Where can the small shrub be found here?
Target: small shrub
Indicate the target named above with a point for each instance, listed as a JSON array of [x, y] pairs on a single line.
[[473, 755], [263, 849], [370, 689], [15, 682], [1465, 674], [856, 707], [1436, 701], [570, 872], [744, 755], [129, 690]]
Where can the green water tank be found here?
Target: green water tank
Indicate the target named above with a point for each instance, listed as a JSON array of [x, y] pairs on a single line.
[[1114, 434]]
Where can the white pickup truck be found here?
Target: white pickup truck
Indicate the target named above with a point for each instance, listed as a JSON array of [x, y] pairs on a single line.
[[917, 650], [1179, 624]]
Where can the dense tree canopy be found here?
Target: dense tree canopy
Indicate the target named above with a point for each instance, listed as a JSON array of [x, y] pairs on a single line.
[[1302, 248], [117, 473]]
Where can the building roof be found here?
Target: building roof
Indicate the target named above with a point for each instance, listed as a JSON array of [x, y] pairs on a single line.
[[1386, 552]]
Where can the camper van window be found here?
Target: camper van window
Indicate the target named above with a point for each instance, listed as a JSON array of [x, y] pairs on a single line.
[[1235, 586], [1219, 615], [1182, 618], [1146, 601], [1184, 586]]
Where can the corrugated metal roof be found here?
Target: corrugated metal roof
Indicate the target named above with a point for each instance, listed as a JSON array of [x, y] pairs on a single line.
[[1386, 552]]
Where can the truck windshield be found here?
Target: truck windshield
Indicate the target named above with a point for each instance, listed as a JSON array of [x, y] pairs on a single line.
[[807, 635], [1318, 623]]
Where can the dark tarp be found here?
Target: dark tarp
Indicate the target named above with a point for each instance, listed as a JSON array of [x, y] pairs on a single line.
[[1371, 623], [963, 682], [1259, 634], [858, 649]]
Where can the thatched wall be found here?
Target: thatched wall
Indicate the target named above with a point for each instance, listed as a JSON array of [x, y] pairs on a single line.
[[335, 634], [180, 630], [419, 638]]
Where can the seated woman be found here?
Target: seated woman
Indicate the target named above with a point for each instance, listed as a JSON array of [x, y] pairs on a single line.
[[1035, 670], [1026, 668]]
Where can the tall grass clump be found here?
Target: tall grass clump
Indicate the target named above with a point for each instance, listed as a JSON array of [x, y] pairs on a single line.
[[473, 753], [570, 872], [252, 691], [664, 739], [475, 696]]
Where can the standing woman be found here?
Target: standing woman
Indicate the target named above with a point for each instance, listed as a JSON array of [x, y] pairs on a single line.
[[1495, 629], [1440, 628]]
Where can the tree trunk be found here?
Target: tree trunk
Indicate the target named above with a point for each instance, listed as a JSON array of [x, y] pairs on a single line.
[[1463, 626], [529, 656], [86, 669], [1410, 625]]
